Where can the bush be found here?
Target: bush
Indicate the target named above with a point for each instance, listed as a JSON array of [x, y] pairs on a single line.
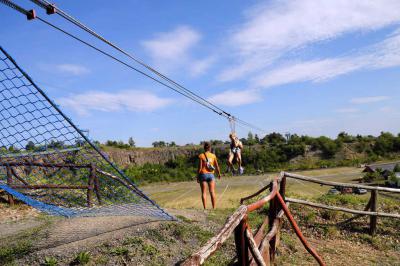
[[50, 261], [82, 258]]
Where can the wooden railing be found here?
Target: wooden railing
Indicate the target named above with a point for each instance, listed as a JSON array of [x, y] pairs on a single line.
[[92, 187], [260, 249], [370, 209]]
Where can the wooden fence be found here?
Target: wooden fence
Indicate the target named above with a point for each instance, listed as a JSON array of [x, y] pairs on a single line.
[[260, 248], [92, 187], [370, 209]]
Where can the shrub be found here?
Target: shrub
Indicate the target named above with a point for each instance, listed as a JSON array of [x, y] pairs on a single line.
[[50, 261], [82, 258]]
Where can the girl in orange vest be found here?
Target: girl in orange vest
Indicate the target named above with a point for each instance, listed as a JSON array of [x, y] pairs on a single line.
[[208, 164]]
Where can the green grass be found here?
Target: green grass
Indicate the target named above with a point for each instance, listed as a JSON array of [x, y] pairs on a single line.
[[119, 251], [14, 251], [50, 261], [82, 258]]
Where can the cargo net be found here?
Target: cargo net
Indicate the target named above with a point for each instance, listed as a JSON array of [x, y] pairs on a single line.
[[48, 163]]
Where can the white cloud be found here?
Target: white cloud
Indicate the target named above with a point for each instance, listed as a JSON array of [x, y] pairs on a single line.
[[199, 67], [72, 69], [169, 49], [372, 99], [382, 55], [130, 100], [272, 29], [347, 110], [235, 98]]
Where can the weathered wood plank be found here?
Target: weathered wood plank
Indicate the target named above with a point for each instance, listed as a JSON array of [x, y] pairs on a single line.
[[322, 206], [214, 243], [49, 186], [330, 183], [254, 249], [373, 219]]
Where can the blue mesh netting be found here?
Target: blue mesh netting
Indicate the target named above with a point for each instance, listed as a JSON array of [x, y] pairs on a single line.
[[40, 148]]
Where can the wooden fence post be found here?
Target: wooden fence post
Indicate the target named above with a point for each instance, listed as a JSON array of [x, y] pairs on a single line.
[[9, 183], [242, 248], [91, 181], [373, 218], [96, 184], [272, 214], [282, 192]]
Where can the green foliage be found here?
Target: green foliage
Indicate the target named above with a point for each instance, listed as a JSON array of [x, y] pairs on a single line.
[[370, 177], [160, 144], [131, 142], [119, 251], [396, 168], [9, 253], [149, 250], [327, 146], [119, 144], [275, 152], [50, 261], [82, 258]]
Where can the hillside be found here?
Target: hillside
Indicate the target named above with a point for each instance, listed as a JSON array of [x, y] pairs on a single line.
[[272, 153]]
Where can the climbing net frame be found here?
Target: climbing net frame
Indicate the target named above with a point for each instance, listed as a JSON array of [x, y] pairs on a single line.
[[47, 162]]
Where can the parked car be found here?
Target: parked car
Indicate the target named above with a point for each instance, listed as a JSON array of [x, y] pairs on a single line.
[[360, 191], [333, 191], [347, 190]]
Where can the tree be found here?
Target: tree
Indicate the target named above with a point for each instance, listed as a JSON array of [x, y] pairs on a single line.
[[327, 146], [30, 146], [274, 139], [250, 139], [344, 137], [159, 144], [396, 168], [131, 142], [385, 143], [172, 144]]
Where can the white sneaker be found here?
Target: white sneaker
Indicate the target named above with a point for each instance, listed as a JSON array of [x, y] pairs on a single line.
[[241, 170]]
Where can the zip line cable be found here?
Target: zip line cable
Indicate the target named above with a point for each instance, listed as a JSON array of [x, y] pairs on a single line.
[[48, 6], [27, 13], [181, 90]]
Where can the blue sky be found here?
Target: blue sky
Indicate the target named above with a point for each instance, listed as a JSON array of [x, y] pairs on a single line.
[[306, 67]]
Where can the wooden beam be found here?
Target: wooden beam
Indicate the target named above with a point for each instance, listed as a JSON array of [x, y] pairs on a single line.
[[273, 231], [214, 243], [334, 208], [49, 186], [254, 249], [373, 219], [255, 194], [18, 177], [66, 165], [9, 183], [330, 183]]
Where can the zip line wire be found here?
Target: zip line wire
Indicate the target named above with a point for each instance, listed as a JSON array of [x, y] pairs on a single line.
[[172, 84]]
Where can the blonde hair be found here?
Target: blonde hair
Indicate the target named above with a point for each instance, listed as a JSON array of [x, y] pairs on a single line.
[[232, 135]]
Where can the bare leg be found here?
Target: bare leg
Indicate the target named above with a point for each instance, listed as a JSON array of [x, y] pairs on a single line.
[[239, 159], [203, 186], [211, 188], [230, 162]]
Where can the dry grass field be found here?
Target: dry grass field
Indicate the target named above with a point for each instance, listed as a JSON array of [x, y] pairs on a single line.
[[231, 188]]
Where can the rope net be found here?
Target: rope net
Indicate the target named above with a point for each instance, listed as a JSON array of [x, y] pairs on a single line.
[[48, 163]]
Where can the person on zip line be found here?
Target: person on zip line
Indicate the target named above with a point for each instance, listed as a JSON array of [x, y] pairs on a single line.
[[235, 153], [208, 164]]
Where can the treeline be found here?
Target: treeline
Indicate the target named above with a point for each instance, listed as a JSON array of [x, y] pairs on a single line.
[[276, 152]]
